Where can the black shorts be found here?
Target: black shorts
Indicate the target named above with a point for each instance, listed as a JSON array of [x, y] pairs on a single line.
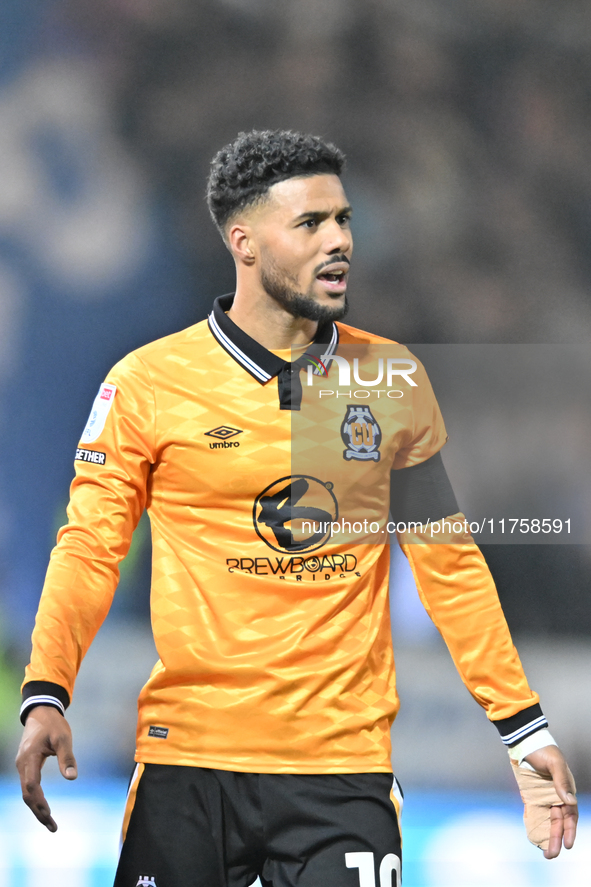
[[195, 827]]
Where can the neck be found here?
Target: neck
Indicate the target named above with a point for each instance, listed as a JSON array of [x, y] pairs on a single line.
[[267, 322]]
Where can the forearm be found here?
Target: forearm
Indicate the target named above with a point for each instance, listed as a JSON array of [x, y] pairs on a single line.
[[75, 600], [458, 592]]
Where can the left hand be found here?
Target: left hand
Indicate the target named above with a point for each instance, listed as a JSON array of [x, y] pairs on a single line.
[[549, 762]]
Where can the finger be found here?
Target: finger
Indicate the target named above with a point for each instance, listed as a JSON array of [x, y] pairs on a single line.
[[556, 832], [563, 780], [65, 755], [571, 816], [563, 783], [33, 793], [29, 770]]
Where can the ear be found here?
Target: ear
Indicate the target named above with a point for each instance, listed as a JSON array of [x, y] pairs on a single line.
[[241, 243]]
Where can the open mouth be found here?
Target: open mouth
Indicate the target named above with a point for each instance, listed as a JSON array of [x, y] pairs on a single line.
[[332, 276], [334, 280]]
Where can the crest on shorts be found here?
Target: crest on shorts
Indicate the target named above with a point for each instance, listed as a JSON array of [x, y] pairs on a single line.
[[146, 881], [361, 434]]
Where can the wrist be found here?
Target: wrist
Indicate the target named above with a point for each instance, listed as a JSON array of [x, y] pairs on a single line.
[[44, 693], [31, 706], [533, 742]]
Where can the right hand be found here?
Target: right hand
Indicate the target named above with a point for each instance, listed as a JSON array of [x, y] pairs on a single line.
[[46, 733]]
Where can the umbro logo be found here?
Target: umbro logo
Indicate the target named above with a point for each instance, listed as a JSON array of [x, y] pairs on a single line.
[[222, 433]]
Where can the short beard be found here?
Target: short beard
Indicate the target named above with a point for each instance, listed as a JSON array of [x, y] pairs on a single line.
[[297, 304]]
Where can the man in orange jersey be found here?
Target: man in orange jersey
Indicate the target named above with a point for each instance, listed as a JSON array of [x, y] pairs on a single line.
[[263, 741]]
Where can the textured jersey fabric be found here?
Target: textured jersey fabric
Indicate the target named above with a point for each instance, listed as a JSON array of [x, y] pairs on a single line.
[[275, 648]]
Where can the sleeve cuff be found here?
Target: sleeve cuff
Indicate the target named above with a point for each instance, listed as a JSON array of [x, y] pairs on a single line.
[[513, 730], [43, 693], [533, 742]]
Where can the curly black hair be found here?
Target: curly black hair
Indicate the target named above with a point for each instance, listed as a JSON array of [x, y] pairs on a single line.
[[242, 172]]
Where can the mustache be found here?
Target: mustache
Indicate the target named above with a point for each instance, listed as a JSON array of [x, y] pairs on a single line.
[[340, 258]]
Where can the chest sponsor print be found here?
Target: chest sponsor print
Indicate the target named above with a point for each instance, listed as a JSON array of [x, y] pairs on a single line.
[[297, 567], [295, 513]]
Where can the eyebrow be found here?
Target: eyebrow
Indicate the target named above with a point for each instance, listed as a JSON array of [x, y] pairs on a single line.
[[345, 211]]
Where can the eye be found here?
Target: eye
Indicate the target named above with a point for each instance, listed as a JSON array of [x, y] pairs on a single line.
[[309, 223], [344, 219]]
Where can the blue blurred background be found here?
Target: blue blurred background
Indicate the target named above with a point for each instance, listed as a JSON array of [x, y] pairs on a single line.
[[466, 126]]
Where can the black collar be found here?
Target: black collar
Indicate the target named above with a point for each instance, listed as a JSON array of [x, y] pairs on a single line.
[[256, 360], [263, 365]]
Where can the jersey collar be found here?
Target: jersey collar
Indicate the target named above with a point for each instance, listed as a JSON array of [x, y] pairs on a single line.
[[262, 364]]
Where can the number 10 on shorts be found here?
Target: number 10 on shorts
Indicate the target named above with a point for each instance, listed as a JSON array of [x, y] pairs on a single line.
[[365, 863]]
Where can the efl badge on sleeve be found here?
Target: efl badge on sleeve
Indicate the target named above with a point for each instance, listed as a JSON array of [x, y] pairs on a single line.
[[361, 434], [99, 412]]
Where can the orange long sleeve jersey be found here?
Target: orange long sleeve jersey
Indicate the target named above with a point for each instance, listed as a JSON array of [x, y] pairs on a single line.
[[273, 635]]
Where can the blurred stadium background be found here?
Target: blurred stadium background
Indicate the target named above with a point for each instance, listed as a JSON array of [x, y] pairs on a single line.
[[467, 128]]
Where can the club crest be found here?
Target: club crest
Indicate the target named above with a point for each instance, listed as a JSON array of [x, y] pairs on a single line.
[[361, 434], [146, 881]]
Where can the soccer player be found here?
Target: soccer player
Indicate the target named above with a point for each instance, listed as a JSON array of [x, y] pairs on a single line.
[[263, 740]]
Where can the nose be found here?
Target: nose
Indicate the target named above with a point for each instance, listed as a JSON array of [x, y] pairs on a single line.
[[338, 239]]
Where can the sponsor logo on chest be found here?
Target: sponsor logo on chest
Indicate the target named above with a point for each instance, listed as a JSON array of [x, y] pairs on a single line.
[[293, 516]]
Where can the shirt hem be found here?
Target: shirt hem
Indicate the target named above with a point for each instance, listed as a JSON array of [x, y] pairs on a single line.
[[302, 768]]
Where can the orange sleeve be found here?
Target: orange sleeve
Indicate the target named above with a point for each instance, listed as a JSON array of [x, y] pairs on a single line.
[[108, 495], [426, 432], [459, 594]]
